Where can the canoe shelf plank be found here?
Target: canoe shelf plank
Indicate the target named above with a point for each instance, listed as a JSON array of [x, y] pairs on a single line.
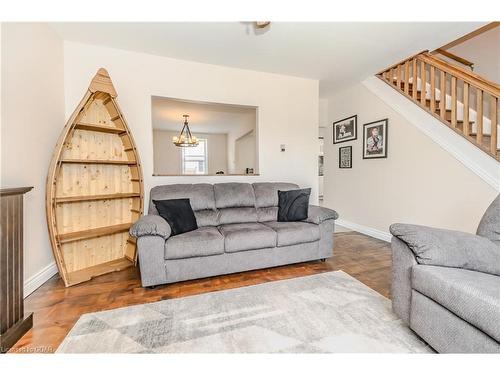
[[94, 190], [93, 233]]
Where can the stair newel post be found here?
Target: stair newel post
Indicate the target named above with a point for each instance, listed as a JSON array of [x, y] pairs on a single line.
[[453, 102], [466, 129], [423, 84], [479, 117], [494, 126], [415, 80], [442, 95], [433, 89]]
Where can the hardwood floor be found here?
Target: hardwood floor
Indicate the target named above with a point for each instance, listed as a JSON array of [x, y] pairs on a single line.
[[56, 308]]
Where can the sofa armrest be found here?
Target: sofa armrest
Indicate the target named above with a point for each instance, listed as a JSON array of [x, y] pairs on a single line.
[[403, 261], [448, 248], [151, 225], [317, 215]]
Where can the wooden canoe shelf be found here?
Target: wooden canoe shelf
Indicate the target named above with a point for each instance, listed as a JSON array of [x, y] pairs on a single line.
[[99, 128], [80, 276], [93, 233], [98, 161], [85, 198], [82, 215]]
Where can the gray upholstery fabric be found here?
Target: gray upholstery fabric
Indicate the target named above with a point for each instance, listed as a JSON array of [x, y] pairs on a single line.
[[201, 196], [403, 261], [317, 214], [237, 215], [473, 296], [207, 218], [201, 253], [194, 268], [326, 229], [267, 214], [266, 193], [197, 243], [489, 226], [247, 236], [150, 225], [295, 232], [151, 251], [234, 194], [446, 332], [441, 247]]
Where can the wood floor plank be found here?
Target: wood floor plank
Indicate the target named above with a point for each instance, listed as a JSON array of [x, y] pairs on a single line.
[[56, 308]]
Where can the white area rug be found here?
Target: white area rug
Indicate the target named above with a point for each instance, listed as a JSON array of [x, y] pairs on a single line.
[[326, 313]]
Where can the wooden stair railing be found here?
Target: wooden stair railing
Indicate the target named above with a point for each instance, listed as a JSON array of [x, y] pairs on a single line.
[[464, 101]]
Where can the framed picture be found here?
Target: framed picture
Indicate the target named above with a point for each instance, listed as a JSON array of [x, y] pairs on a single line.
[[345, 130], [345, 157], [375, 139]]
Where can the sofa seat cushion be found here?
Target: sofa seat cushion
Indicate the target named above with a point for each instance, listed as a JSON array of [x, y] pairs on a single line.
[[200, 242], [247, 236], [292, 233], [472, 296]]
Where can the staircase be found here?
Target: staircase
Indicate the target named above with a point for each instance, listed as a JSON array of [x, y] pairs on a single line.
[[462, 100]]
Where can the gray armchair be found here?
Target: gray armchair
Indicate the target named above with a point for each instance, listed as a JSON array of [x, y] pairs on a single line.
[[446, 284]]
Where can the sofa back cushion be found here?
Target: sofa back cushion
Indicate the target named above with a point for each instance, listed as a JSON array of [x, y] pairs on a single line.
[[234, 194], [201, 196], [234, 215], [489, 226], [266, 193]]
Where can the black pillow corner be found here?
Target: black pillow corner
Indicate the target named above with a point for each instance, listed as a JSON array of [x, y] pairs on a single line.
[[293, 205], [178, 213]]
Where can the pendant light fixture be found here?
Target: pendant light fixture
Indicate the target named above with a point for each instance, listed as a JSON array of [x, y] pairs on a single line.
[[185, 138]]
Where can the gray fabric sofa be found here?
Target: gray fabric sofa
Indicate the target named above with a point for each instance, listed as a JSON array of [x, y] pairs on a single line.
[[237, 231], [446, 284]]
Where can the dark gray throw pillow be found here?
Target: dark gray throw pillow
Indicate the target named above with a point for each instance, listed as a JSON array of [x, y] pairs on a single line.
[[178, 213], [293, 205]]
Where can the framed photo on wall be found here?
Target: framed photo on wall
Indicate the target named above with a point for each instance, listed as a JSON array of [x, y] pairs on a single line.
[[375, 139], [345, 157], [345, 130]]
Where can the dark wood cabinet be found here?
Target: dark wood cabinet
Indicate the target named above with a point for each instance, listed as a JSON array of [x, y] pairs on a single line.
[[14, 322]]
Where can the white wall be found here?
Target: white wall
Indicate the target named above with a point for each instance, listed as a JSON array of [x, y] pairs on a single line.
[[418, 183], [245, 152], [288, 106], [167, 156], [32, 118], [484, 51]]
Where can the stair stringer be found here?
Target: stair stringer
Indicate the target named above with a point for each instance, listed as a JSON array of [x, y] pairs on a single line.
[[483, 165]]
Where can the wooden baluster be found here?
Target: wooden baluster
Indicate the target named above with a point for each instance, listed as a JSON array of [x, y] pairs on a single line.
[[466, 130], [398, 77], [494, 128], [388, 76], [442, 95], [479, 117], [423, 86], [407, 77], [433, 90], [393, 76], [415, 79], [454, 102]]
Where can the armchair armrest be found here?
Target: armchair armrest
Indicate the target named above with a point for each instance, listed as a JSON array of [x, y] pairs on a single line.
[[151, 225], [448, 248], [317, 215]]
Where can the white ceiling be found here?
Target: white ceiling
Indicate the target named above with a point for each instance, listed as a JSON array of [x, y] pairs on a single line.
[[211, 118], [335, 53]]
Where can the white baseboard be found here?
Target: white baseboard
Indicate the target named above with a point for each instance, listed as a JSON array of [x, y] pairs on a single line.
[[37, 280], [372, 232]]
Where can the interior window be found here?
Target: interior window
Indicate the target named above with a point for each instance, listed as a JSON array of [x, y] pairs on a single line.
[[194, 159]]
